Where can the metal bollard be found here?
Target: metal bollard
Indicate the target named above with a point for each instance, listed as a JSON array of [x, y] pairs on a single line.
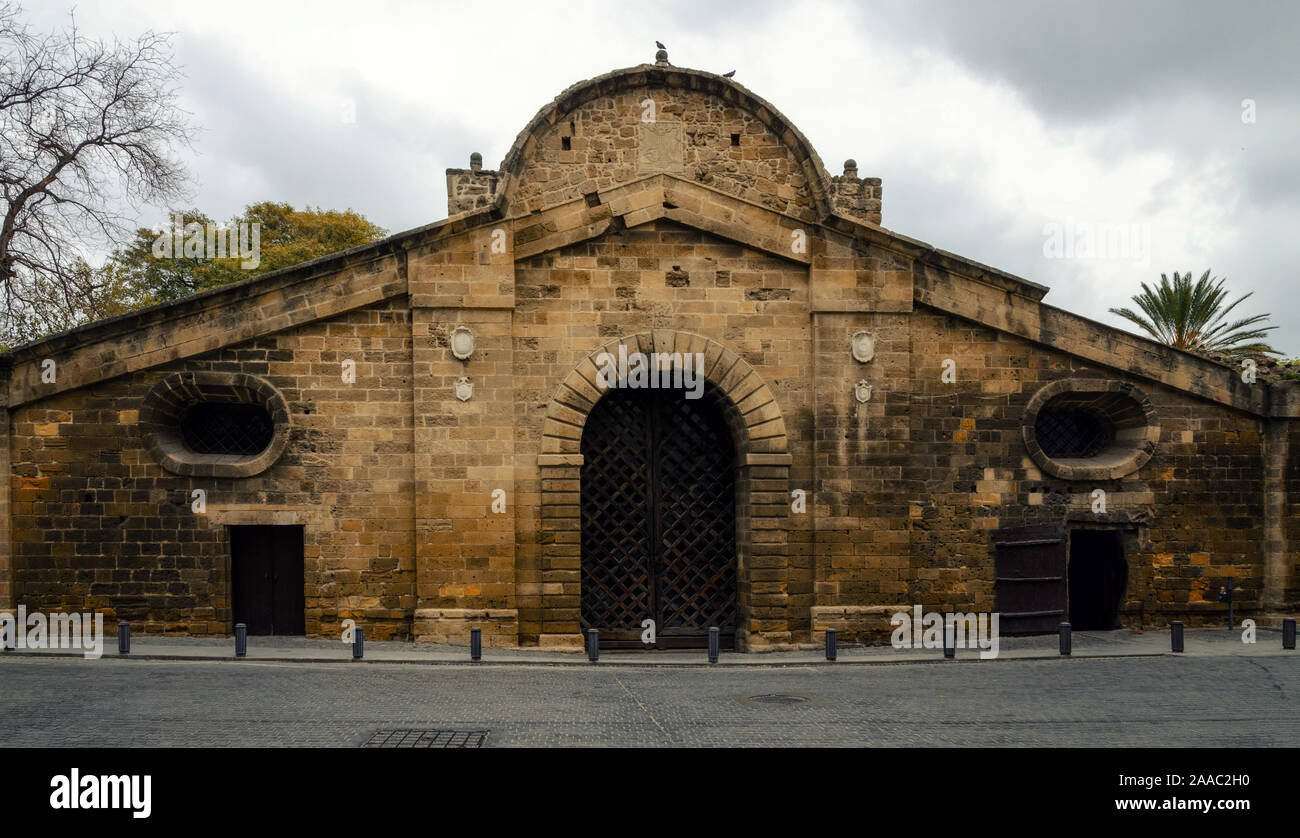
[[358, 643], [831, 651], [1067, 641], [713, 644], [1225, 595], [1176, 635], [950, 642], [241, 640], [1288, 633], [123, 638], [475, 643], [593, 645]]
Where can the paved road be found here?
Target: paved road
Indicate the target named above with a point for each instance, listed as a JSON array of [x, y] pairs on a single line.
[[1207, 701]]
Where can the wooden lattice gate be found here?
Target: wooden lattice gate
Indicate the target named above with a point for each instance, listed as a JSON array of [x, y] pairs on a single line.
[[658, 519]]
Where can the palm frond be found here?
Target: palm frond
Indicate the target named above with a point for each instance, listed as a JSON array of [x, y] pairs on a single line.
[[1194, 316]]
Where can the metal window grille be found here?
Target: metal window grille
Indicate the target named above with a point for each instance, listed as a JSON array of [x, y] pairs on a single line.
[[226, 428], [1073, 432]]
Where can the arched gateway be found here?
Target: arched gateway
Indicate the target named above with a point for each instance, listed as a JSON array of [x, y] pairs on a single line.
[[658, 519], [649, 496]]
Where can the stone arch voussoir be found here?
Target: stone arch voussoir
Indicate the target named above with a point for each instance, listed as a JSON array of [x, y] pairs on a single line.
[[753, 413]]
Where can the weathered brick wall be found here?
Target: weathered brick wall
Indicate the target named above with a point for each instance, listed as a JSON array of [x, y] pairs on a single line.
[[99, 524], [969, 473], [393, 477], [470, 189], [856, 492], [857, 197], [657, 276], [1291, 520], [725, 147], [911, 484]]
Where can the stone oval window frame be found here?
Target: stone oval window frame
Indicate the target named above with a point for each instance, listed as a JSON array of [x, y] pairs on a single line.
[[167, 400], [1134, 444]]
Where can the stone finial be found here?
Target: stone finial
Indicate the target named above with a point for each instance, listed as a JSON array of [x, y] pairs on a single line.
[[850, 168], [661, 58], [475, 162]]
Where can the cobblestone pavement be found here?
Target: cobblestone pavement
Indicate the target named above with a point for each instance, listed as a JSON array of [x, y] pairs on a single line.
[[1229, 701]]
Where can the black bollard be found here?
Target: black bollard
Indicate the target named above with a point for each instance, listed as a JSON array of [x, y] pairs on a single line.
[[593, 645], [123, 638], [475, 643], [358, 643], [1067, 642], [950, 641], [713, 644], [1231, 614], [1288, 633], [1176, 635], [831, 651], [241, 640]]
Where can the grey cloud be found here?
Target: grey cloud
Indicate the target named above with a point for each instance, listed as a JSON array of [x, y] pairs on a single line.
[[1088, 58]]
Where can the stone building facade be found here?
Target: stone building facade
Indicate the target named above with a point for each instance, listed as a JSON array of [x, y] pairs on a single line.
[[416, 435]]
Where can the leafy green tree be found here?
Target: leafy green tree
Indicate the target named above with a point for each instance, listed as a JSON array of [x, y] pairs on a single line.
[[1192, 315], [162, 265]]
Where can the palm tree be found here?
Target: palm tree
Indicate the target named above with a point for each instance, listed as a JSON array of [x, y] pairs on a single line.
[[1187, 315]]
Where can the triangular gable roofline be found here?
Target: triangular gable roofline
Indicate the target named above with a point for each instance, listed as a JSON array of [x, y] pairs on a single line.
[[286, 298], [213, 298], [941, 280], [373, 272]]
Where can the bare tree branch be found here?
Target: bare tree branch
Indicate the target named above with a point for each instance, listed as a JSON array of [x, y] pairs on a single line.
[[89, 133]]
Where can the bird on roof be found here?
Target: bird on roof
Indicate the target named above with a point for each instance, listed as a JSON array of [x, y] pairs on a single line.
[[729, 75], [661, 46]]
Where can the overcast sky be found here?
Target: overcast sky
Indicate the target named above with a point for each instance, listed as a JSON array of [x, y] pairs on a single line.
[[998, 128]]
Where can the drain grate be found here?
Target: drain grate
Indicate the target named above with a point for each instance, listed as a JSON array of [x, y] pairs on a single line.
[[426, 739], [776, 699]]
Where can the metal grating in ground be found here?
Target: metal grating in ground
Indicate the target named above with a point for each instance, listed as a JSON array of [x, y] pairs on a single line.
[[777, 700], [383, 738]]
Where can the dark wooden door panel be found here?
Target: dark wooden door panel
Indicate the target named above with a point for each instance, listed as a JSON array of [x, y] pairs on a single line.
[[288, 595], [250, 579], [615, 512], [696, 503], [658, 519], [1030, 578], [267, 579]]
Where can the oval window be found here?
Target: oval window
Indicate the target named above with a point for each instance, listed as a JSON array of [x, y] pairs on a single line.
[[226, 428], [1078, 432], [1089, 429]]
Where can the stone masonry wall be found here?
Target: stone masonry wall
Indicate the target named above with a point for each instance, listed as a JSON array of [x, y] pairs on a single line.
[[657, 276], [1200, 495], [470, 189], [857, 197], [912, 483], [1291, 512], [99, 524], [723, 146]]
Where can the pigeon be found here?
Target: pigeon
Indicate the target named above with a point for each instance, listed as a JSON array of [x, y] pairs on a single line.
[[661, 46], [729, 75]]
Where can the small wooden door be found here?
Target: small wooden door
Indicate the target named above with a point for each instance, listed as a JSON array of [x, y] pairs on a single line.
[[1029, 588], [266, 579]]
